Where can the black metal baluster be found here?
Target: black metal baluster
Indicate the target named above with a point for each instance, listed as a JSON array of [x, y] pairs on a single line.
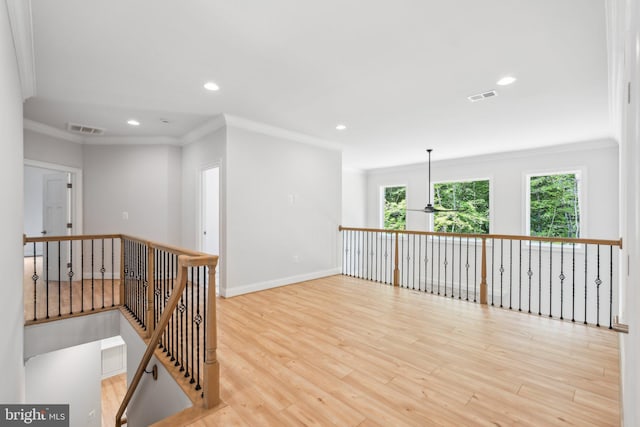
[[493, 258], [113, 273], [510, 273], [460, 267], [501, 269], [92, 282], [102, 269], [186, 322], [445, 266], [433, 258], [439, 244], [413, 264], [204, 309], [35, 278], [520, 276], [70, 274], [198, 320], [539, 277], [530, 274], [46, 275], [585, 283], [172, 339], [475, 270], [610, 287], [426, 260], [59, 276], [550, 278], [573, 282], [562, 277], [466, 266], [598, 283], [194, 338], [419, 259], [365, 257]]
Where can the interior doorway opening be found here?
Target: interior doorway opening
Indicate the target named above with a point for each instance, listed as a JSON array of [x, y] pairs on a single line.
[[209, 230]]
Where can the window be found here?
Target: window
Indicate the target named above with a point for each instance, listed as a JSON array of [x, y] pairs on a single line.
[[554, 205], [470, 199], [394, 210]]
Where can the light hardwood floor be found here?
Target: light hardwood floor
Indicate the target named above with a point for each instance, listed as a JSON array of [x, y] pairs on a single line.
[[113, 390], [347, 352]]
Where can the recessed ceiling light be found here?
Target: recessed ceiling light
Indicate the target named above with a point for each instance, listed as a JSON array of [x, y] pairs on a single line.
[[133, 122], [506, 80], [211, 86], [341, 127]]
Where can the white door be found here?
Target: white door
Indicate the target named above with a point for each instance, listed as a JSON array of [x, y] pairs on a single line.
[[56, 204], [210, 215], [211, 211]]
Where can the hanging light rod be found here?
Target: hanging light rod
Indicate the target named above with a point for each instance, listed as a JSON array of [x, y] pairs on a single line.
[[430, 208]]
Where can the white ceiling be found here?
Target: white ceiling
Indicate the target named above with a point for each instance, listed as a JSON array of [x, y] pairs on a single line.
[[397, 73]]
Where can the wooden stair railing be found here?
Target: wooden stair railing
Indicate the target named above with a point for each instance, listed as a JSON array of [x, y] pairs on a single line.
[[211, 366], [569, 278]]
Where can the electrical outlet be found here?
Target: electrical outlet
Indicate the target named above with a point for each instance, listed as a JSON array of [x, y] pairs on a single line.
[[125, 215]]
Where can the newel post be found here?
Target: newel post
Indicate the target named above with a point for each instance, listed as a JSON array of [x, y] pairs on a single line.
[[151, 286], [483, 273], [211, 366], [396, 262]]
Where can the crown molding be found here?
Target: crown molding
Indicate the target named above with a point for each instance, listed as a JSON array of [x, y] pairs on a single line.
[[22, 32], [210, 126], [245, 124], [131, 140], [51, 131]]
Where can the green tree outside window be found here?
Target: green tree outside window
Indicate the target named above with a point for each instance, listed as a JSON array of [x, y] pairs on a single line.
[[554, 206], [395, 208], [470, 198]]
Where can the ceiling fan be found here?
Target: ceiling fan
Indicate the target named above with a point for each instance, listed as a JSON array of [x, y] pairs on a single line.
[[430, 208]]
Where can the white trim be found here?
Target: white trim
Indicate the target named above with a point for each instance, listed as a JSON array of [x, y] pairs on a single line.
[[76, 201], [265, 129], [132, 140], [21, 23], [97, 275], [210, 126], [269, 284], [51, 131]]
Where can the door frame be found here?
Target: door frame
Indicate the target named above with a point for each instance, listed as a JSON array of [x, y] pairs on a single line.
[[76, 194]]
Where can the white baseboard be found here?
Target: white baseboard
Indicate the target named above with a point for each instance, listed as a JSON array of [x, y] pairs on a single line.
[[269, 284], [98, 276]]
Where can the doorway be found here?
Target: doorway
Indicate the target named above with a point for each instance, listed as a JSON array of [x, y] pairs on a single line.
[[52, 200], [209, 230]]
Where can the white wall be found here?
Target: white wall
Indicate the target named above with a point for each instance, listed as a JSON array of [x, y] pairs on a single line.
[[138, 180], [207, 151], [153, 400], [282, 211], [623, 37], [70, 376], [48, 149], [11, 226], [354, 198], [51, 336], [598, 160]]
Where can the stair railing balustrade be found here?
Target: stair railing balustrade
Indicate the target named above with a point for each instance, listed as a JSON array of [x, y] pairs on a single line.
[[565, 278]]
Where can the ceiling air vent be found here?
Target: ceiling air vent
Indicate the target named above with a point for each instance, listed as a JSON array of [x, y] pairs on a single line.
[[481, 96], [84, 130]]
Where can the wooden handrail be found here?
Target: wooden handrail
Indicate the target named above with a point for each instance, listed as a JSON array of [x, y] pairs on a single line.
[[493, 236], [211, 364]]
